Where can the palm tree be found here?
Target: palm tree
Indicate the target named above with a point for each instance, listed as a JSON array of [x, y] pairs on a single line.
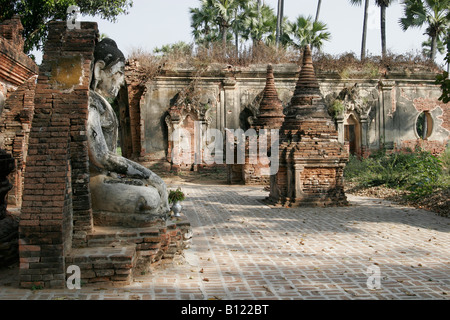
[[364, 33], [383, 4], [213, 19], [259, 23], [225, 13], [427, 47], [433, 14], [280, 14], [319, 3], [204, 28], [305, 31], [238, 24]]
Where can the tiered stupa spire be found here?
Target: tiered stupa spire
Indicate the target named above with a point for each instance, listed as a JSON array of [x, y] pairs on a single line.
[[270, 109], [307, 101], [307, 86]]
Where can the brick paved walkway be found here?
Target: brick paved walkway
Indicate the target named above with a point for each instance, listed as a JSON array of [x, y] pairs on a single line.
[[242, 249]]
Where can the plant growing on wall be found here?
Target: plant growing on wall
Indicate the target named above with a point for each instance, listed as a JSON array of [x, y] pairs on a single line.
[[336, 108]]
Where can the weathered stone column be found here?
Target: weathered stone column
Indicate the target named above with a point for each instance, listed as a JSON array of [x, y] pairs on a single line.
[[387, 108], [229, 86], [340, 128], [364, 135], [298, 169]]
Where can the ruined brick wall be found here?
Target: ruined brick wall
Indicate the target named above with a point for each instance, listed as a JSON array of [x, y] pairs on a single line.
[[385, 109], [439, 121], [17, 81], [56, 209], [15, 125], [15, 66]]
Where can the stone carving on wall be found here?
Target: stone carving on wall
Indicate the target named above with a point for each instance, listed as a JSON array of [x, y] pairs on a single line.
[[191, 112], [353, 100], [357, 104]]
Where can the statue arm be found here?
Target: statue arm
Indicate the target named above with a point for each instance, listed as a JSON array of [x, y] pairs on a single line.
[[103, 158]]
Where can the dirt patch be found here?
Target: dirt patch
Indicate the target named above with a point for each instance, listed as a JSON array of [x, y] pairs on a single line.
[[438, 202]]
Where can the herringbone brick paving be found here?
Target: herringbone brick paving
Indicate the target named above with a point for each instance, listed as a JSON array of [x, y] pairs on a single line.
[[243, 249]]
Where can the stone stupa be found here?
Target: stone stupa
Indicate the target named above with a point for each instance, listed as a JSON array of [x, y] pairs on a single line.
[[311, 158], [270, 117]]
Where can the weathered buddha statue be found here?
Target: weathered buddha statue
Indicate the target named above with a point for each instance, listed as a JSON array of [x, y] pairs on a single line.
[[124, 193]]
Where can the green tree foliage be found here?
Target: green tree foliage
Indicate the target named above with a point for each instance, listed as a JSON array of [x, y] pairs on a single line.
[[226, 10], [427, 47], [213, 20], [259, 24], [179, 47], [305, 31], [203, 24], [35, 14], [221, 20], [433, 14], [443, 79]]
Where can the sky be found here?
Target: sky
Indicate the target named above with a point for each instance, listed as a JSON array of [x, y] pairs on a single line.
[[153, 23]]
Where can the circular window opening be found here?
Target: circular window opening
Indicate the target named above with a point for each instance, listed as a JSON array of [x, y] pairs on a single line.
[[424, 125]]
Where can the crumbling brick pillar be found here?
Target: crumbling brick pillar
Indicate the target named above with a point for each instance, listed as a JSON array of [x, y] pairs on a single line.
[[56, 208]]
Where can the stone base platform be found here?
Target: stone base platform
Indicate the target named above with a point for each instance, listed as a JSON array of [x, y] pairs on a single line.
[[113, 219], [308, 200], [113, 255], [104, 264]]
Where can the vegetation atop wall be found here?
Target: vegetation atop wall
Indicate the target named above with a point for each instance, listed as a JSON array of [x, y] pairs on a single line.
[[346, 65]]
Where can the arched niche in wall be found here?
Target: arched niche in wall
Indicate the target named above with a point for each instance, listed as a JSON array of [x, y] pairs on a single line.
[[424, 125], [191, 122], [352, 133]]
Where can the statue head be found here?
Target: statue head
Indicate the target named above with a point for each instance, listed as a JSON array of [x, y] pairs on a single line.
[[109, 69]]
